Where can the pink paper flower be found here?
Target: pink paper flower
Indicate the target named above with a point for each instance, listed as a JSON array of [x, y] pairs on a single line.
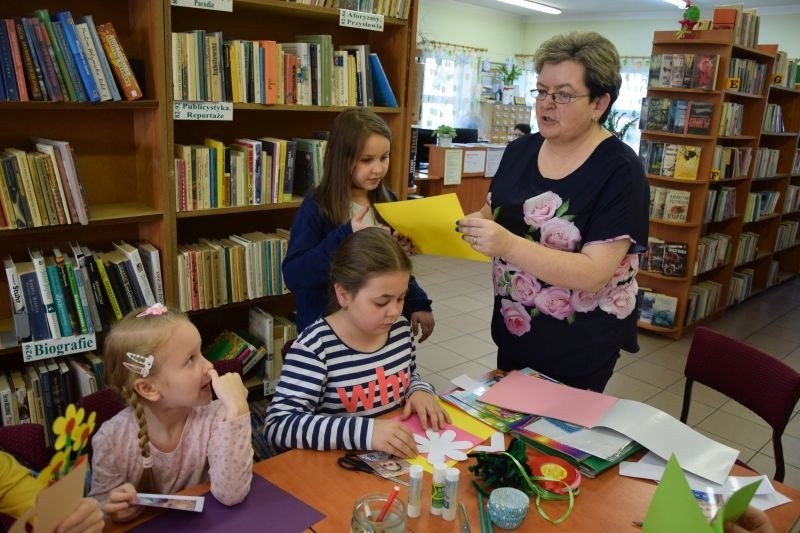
[[517, 319], [539, 209], [560, 234], [554, 302]]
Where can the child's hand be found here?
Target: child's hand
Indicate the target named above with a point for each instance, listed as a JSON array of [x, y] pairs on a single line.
[[231, 392], [428, 409], [87, 517], [121, 503], [391, 436], [422, 320], [404, 242]]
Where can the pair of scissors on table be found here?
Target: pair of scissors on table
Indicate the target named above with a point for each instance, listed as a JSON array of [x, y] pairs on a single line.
[[351, 461]]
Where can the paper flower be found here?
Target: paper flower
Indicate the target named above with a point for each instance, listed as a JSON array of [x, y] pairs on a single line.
[[440, 446], [81, 433], [52, 472], [65, 425]]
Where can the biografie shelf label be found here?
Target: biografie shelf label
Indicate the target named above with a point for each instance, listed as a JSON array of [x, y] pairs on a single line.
[[46, 349]]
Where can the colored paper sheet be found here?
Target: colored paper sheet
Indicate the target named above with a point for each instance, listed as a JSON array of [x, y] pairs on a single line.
[[466, 428], [527, 394], [674, 508], [266, 501], [430, 223]]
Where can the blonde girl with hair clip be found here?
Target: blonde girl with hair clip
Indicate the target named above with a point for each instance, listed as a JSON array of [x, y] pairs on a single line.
[[356, 363], [171, 436], [356, 162]]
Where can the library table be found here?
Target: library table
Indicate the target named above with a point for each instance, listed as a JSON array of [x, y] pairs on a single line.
[[608, 503]]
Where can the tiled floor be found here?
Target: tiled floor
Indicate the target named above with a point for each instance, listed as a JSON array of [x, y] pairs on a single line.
[[461, 344]]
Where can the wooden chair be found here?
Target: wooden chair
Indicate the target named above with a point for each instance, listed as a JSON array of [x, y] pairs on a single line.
[[765, 385]]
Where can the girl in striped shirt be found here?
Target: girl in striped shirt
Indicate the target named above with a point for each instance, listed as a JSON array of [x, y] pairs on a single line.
[[357, 362]]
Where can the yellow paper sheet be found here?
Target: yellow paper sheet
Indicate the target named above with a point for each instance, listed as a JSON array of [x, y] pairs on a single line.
[[463, 421], [430, 223]]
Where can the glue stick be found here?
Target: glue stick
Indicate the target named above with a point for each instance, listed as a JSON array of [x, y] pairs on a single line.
[[414, 507], [450, 493], [437, 488]]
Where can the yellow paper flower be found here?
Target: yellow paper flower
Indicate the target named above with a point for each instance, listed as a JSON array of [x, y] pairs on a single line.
[[82, 432], [53, 470], [64, 425]]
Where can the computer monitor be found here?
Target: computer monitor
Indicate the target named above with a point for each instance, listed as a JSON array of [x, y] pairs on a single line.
[[424, 136]]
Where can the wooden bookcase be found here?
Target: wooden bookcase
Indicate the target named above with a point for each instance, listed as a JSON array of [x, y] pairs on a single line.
[[720, 42], [125, 149]]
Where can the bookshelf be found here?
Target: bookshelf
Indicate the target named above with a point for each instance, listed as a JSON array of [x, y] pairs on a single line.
[[124, 150], [751, 104]]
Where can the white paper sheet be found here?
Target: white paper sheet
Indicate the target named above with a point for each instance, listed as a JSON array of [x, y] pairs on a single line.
[[474, 161], [452, 166]]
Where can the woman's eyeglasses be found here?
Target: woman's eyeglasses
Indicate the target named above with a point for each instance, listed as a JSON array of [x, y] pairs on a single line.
[[559, 97]]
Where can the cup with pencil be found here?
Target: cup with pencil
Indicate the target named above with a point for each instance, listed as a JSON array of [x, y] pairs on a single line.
[[379, 513]]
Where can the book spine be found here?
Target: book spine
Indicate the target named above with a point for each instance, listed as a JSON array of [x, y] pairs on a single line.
[[85, 72], [47, 397], [112, 298], [33, 304], [21, 324], [119, 62], [47, 295], [48, 34], [69, 61], [51, 77], [33, 72], [7, 66], [92, 56], [76, 297], [16, 55], [88, 294], [127, 288], [62, 312], [26, 202], [101, 55], [152, 263], [98, 291], [87, 315], [6, 403]]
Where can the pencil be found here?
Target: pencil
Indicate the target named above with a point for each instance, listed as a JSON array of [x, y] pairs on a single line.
[[388, 504]]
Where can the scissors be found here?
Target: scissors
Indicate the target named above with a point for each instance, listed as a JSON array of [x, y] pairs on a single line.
[[463, 521], [351, 461]]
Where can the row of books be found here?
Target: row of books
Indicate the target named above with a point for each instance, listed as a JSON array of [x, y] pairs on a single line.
[[796, 163], [676, 116], [60, 295], [784, 70], [792, 202], [246, 172], [747, 249], [730, 162], [306, 72], [59, 60], [668, 159], [743, 21], [787, 234], [713, 251], [730, 121], [667, 258], [669, 204], [42, 187], [741, 285], [687, 71], [216, 272], [388, 8], [704, 299], [760, 204], [39, 392], [766, 164], [657, 308], [773, 119], [720, 204], [750, 74]]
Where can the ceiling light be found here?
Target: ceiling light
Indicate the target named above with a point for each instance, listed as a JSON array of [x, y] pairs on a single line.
[[681, 4], [532, 5]]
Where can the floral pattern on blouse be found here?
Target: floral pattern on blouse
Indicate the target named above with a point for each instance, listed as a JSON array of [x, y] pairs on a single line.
[[524, 297]]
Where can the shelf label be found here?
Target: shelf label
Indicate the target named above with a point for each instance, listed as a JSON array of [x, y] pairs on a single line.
[[777, 79], [716, 175], [183, 110], [361, 20], [38, 350], [732, 84], [214, 5], [270, 385]]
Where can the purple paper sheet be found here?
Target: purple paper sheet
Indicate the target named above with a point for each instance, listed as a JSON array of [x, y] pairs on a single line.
[[267, 506]]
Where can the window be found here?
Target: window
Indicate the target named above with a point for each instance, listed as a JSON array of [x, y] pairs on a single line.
[[451, 87]]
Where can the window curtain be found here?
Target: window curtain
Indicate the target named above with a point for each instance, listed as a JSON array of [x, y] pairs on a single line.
[[635, 71], [451, 87]]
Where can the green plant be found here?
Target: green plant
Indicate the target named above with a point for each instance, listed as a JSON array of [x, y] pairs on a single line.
[[510, 72], [618, 124], [444, 130]]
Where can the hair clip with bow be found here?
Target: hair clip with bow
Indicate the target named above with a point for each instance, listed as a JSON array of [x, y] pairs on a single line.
[[156, 309]]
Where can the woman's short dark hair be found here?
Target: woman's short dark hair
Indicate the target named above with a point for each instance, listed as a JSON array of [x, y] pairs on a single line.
[[598, 56]]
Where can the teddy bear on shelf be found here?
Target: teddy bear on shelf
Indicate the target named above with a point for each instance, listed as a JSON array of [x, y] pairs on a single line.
[[691, 15]]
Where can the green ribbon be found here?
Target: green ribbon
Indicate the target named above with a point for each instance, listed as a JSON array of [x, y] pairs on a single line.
[[542, 494]]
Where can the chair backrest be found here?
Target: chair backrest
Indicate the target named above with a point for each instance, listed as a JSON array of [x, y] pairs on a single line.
[[105, 404], [27, 443], [765, 385]]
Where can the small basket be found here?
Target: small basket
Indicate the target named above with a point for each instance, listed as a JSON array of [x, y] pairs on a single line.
[[508, 507]]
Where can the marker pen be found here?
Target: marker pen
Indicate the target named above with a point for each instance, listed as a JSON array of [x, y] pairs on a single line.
[[450, 493], [414, 507], [437, 488]]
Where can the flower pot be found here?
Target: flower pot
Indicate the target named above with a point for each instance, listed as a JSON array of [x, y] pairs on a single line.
[[444, 140]]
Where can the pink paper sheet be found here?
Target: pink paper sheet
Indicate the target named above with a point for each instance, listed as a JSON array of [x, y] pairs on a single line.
[[529, 394], [416, 428]]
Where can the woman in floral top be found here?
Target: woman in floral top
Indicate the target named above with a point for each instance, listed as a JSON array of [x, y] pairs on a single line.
[[565, 220]]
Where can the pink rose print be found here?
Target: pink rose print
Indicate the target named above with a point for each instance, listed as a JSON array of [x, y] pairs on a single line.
[[626, 269], [539, 209], [560, 234], [554, 301], [619, 300], [499, 272], [583, 301], [524, 288], [517, 320]]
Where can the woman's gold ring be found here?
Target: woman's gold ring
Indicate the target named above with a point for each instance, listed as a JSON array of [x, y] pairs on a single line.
[[474, 239]]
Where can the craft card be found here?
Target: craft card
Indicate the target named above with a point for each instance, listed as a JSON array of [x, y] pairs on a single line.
[[171, 501], [385, 464]]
